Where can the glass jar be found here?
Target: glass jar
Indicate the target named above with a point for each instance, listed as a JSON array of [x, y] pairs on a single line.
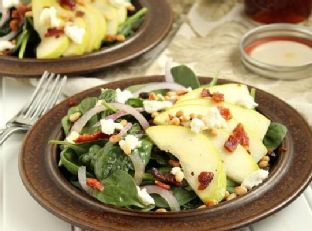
[[277, 11]]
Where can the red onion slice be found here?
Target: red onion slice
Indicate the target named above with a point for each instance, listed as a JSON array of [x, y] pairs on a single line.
[[9, 36], [125, 129], [167, 195], [168, 74], [139, 168], [116, 115], [5, 16], [132, 111], [158, 86], [83, 120], [82, 178]]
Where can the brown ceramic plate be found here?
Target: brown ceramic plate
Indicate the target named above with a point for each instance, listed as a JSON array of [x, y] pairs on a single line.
[[43, 179], [156, 25]]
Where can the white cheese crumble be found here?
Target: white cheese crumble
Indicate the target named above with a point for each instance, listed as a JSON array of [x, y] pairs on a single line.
[[48, 17], [9, 3], [247, 102], [6, 45], [214, 119], [131, 141], [108, 126], [255, 178], [120, 3], [177, 172], [145, 197], [197, 125], [72, 137], [151, 106], [99, 102], [123, 96], [75, 33]]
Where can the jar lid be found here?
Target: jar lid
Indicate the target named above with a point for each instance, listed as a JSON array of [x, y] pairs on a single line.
[[281, 51]]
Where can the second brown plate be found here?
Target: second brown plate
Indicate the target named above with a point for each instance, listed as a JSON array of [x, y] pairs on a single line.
[[157, 24], [43, 179]]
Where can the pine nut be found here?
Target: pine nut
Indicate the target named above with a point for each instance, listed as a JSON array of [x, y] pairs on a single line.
[[115, 138], [161, 210], [240, 190], [75, 116], [263, 164], [231, 197]]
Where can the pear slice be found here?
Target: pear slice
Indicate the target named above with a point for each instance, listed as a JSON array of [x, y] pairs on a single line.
[[196, 154], [256, 147], [52, 48], [232, 92]]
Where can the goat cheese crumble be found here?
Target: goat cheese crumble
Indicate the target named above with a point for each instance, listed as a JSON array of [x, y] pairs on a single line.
[[131, 141], [247, 102], [48, 17], [145, 197], [214, 119], [120, 3], [256, 178], [108, 126], [197, 125], [9, 3], [151, 106], [177, 172], [72, 137], [6, 45], [123, 96], [75, 33]]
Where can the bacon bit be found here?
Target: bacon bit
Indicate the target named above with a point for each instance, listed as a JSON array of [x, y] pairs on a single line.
[[19, 12], [218, 97], [54, 32], [90, 137], [204, 179], [14, 25], [205, 93], [225, 113], [239, 136], [165, 177], [162, 185], [95, 184], [80, 14], [70, 4]]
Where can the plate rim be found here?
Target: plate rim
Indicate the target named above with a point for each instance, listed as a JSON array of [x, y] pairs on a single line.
[[272, 210]]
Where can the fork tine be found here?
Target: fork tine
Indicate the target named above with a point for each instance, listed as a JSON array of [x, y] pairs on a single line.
[[39, 97], [46, 98], [56, 96]]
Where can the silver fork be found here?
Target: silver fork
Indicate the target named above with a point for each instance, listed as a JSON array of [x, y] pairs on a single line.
[[44, 98]]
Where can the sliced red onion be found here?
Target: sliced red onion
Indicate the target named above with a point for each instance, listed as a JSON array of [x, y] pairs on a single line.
[[132, 111], [125, 129], [168, 74], [116, 115], [139, 168], [9, 36], [82, 178], [5, 16], [159, 86], [83, 120], [166, 194]]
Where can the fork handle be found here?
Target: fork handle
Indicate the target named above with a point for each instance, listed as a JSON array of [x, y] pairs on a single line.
[[5, 133]]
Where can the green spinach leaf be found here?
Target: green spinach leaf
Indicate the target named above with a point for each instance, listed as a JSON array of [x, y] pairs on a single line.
[[135, 102], [109, 95], [230, 185], [275, 135], [88, 159], [144, 150], [185, 76]]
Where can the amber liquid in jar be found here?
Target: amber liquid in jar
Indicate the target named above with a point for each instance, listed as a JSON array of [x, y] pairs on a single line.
[[278, 11]]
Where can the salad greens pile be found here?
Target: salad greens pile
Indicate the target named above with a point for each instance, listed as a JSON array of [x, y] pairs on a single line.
[[101, 167]]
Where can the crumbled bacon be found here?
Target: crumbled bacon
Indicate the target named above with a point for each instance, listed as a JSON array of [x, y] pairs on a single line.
[[70, 4], [165, 177], [239, 136], [205, 93], [225, 113], [162, 185], [14, 25], [54, 32], [204, 179], [79, 13], [90, 137], [95, 184], [217, 97]]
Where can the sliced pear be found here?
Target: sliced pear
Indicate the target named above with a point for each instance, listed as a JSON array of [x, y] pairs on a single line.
[[37, 6], [256, 147], [255, 121], [196, 154], [52, 48], [232, 92], [102, 27], [74, 48], [122, 14]]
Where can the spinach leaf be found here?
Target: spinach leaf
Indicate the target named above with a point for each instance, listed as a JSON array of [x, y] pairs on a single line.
[[185, 76], [144, 150], [109, 159], [160, 157], [135, 102], [109, 95], [132, 23], [66, 124], [88, 159], [135, 88], [81, 148], [230, 185], [120, 190], [275, 135], [86, 104], [135, 129], [214, 81]]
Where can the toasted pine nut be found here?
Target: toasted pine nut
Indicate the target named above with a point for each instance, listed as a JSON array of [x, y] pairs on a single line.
[[175, 121], [179, 113], [124, 122], [115, 138], [75, 116], [240, 190], [263, 164], [161, 210], [120, 38], [231, 197], [152, 96], [211, 203], [202, 207]]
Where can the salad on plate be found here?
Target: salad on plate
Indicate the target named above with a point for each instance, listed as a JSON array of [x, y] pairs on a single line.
[[50, 29], [169, 146]]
